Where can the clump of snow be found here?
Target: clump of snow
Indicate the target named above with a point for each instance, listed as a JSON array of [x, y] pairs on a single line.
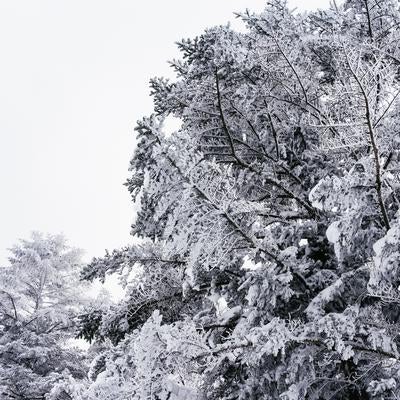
[[333, 235], [303, 242], [250, 264], [222, 305], [333, 232], [219, 302]]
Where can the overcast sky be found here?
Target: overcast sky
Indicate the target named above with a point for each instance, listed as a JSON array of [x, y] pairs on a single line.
[[73, 81]]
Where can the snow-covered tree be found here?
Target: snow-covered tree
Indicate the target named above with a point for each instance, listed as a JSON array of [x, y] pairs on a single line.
[[268, 222], [40, 296]]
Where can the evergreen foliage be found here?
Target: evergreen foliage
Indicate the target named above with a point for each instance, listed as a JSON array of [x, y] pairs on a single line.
[[40, 297], [269, 221]]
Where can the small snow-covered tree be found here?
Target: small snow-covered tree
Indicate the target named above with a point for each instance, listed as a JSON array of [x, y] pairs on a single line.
[[40, 296]]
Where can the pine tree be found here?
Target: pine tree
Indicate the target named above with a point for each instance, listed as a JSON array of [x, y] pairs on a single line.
[[40, 297], [269, 221]]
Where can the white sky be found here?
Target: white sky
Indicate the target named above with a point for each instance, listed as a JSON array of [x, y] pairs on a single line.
[[73, 81]]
